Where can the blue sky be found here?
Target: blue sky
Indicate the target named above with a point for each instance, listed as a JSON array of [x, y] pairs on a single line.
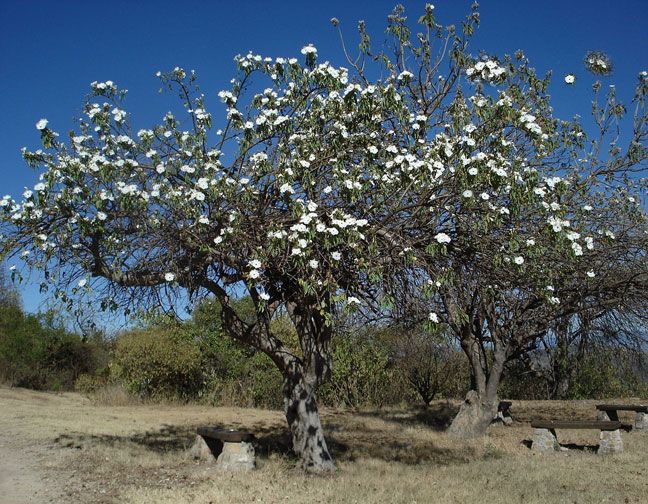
[[50, 52]]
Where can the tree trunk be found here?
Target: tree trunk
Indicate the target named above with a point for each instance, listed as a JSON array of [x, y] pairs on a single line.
[[475, 415], [300, 405], [480, 406]]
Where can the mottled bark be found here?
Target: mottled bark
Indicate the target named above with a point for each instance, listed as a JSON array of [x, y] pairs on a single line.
[[300, 405]]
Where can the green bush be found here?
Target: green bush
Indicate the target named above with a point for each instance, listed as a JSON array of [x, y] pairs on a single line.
[[35, 353], [361, 374], [159, 363]]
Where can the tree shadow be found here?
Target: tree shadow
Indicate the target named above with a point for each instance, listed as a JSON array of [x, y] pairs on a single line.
[[347, 439], [436, 417], [568, 446], [168, 439]]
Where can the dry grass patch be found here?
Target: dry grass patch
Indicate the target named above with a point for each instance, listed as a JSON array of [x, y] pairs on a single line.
[[138, 454]]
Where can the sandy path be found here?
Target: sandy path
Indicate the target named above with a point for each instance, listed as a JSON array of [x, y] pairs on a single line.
[[23, 475]]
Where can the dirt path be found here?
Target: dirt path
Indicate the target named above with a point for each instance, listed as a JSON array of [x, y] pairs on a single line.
[[24, 478]]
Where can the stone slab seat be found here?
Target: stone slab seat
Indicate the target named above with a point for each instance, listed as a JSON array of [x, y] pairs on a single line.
[[610, 412], [225, 435], [545, 439], [229, 448]]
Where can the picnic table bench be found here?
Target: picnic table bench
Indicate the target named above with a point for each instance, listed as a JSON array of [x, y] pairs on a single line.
[[545, 439], [504, 413], [611, 412], [229, 448]]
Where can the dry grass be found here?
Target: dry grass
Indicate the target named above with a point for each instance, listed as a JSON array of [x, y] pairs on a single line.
[[138, 454]]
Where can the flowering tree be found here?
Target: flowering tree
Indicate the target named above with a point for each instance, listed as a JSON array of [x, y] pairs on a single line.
[[273, 209], [524, 219], [319, 191]]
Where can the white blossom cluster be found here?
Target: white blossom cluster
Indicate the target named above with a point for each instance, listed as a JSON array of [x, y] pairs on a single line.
[[488, 71]]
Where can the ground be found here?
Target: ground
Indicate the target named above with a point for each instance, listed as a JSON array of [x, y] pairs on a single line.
[[67, 448]]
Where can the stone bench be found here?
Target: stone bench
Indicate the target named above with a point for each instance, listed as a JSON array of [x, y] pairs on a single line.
[[229, 448], [545, 439], [610, 412], [504, 413]]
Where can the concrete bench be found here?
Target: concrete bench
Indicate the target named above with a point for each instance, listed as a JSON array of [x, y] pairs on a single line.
[[504, 413], [611, 412], [229, 448], [545, 439]]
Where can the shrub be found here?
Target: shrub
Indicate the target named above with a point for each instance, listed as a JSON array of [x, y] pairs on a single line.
[[36, 353], [159, 363], [361, 374]]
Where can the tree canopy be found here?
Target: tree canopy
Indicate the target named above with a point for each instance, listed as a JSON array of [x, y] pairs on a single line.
[[421, 173]]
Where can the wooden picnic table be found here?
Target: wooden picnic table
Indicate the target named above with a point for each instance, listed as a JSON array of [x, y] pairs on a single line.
[[611, 412], [545, 439]]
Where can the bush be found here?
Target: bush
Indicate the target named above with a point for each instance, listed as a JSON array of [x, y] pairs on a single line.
[[89, 384], [361, 374], [35, 353], [159, 363], [429, 364]]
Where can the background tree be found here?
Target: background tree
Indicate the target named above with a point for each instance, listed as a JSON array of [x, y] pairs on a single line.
[[514, 218]]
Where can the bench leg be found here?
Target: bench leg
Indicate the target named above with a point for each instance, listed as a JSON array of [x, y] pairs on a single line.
[[202, 451], [504, 418], [236, 457], [641, 421], [544, 440], [606, 416], [611, 442]]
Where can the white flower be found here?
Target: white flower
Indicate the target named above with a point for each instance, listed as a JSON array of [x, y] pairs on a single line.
[[254, 274], [336, 256], [591, 274], [309, 49], [82, 282], [442, 238], [353, 300], [518, 260], [169, 277], [313, 263], [433, 317], [589, 242], [101, 216], [255, 263], [286, 188], [467, 193], [576, 247], [265, 296], [554, 300], [42, 124], [570, 78]]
